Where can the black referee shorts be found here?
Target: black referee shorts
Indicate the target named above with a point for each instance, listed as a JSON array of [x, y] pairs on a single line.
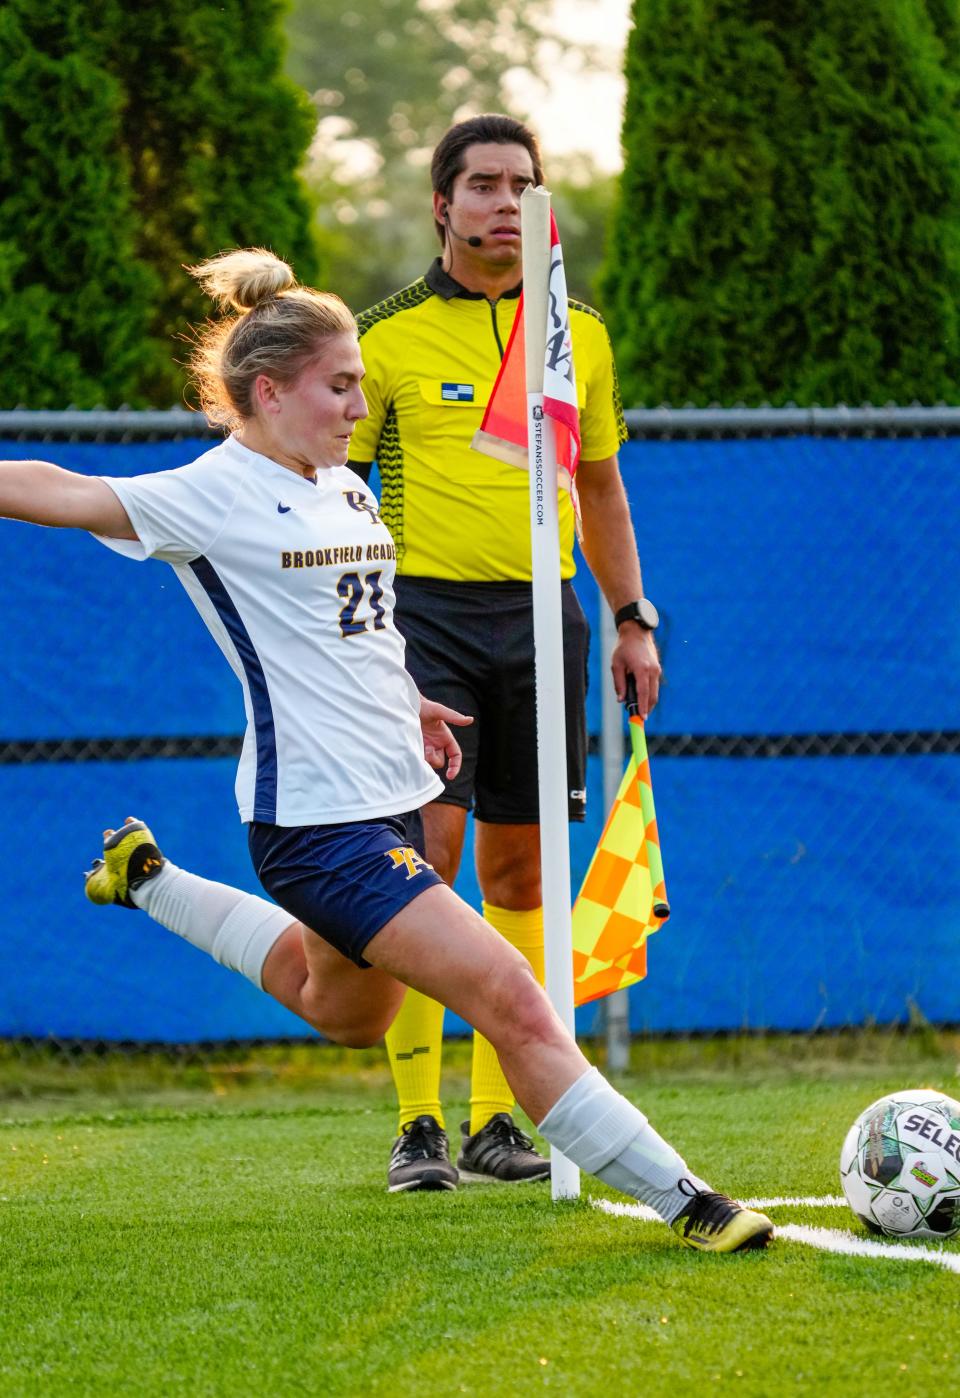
[[470, 645]]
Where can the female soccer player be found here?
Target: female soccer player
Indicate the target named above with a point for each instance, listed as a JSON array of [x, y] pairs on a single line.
[[283, 553]]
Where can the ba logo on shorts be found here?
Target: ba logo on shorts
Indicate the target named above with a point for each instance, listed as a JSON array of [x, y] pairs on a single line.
[[359, 502], [406, 857]]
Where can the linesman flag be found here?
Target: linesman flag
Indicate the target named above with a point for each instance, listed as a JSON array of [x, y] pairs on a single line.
[[623, 898], [503, 431]]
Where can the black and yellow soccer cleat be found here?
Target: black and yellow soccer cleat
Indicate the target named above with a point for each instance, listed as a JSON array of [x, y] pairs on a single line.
[[714, 1223], [130, 857]]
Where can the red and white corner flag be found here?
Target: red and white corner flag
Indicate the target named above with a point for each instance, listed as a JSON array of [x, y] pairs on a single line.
[[559, 379], [531, 420], [503, 431]]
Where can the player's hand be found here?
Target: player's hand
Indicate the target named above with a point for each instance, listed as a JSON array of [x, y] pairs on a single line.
[[636, 654], [440, 747]]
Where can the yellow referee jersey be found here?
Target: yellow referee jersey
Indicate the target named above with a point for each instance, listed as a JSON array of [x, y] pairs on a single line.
[[432, 353]]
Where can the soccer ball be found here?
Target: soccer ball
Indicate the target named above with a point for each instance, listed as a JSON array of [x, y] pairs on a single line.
[[900, 1165]]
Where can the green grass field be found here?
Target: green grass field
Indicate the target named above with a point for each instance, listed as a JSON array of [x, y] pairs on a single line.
[[224, 1229]]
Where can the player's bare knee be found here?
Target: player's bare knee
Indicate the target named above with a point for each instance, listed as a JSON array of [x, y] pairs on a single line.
[[522, 1010], [357, 1035], [357, 1030], [350, 1025], [535, 1021]]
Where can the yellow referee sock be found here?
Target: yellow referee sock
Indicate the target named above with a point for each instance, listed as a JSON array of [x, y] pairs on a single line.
[[414, 1045], [489, 1090]]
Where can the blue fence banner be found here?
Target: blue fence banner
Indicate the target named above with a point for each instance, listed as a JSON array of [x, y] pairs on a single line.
[[806, 749]]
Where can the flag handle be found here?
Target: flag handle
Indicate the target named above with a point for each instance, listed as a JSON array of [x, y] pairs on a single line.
[[661, 908], [630, 702]]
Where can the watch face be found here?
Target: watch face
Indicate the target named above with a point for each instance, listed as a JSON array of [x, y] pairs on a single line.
[[649, 616], [643, 612]]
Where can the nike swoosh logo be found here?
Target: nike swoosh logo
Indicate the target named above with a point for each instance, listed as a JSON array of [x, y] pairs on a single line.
[[283, 509]]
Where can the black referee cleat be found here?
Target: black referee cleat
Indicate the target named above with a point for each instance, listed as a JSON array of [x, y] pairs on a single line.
[[130, 857], [500, 1151], [420, 1158]]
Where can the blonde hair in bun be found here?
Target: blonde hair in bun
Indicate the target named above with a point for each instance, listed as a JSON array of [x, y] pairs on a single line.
[[278, 328], [238, 281]]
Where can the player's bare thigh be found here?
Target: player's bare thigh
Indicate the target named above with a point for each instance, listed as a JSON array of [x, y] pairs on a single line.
[[443, 948], [345, 1002]]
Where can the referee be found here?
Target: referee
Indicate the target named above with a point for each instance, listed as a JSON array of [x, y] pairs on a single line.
[[460, 522]]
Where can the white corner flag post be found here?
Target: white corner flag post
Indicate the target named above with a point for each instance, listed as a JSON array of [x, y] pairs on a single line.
[[548, 642]]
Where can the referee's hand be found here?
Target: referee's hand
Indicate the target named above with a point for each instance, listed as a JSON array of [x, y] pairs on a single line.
[[636, 654], [440, 747]]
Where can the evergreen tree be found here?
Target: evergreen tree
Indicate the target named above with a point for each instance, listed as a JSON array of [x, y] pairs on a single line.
[[215, 135], [74, 301], [135, 139], [945, 19], [788, 218]]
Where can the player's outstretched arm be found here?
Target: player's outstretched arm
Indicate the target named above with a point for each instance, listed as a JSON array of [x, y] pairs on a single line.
[[38, 492]]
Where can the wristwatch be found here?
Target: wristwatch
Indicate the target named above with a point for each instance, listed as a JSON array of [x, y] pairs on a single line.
[[643, 612]]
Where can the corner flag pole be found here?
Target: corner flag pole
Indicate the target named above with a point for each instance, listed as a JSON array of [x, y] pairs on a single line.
[[548, 642]]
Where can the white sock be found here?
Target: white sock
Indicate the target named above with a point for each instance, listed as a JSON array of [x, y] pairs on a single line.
[[237, 929], [607, 1136]]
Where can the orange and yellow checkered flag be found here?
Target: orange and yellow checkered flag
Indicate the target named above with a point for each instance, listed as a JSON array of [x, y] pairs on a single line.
[[623, 898]]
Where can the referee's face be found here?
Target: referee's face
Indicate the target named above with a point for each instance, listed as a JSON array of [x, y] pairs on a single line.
[[485, 203], [313, 418]]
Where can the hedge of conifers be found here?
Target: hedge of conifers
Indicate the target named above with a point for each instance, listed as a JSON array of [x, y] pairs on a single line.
[[134, 138], [789, 219]]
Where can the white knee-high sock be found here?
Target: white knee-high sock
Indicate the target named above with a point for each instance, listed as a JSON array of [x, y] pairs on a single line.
[[607, 1136], [237, 929]]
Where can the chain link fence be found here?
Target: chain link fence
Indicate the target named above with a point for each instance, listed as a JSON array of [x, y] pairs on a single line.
[[805, 750]]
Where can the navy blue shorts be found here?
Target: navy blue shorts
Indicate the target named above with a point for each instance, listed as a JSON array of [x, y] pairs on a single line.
[[344, 882]]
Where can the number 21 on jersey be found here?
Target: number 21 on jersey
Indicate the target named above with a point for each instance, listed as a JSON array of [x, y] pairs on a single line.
[[351, 587]]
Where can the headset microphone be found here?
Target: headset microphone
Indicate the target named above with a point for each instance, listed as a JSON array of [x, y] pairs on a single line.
[[473, 241]]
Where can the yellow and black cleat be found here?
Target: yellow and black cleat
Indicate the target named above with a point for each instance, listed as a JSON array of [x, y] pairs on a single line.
[[130, 857], [714, 1223]]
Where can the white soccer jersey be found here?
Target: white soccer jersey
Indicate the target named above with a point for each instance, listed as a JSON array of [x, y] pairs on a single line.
[[294, 580]]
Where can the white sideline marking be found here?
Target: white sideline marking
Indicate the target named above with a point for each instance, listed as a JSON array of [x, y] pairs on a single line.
[[852, 1246], [810, 1201], [643, 1211], [827, 1239]]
